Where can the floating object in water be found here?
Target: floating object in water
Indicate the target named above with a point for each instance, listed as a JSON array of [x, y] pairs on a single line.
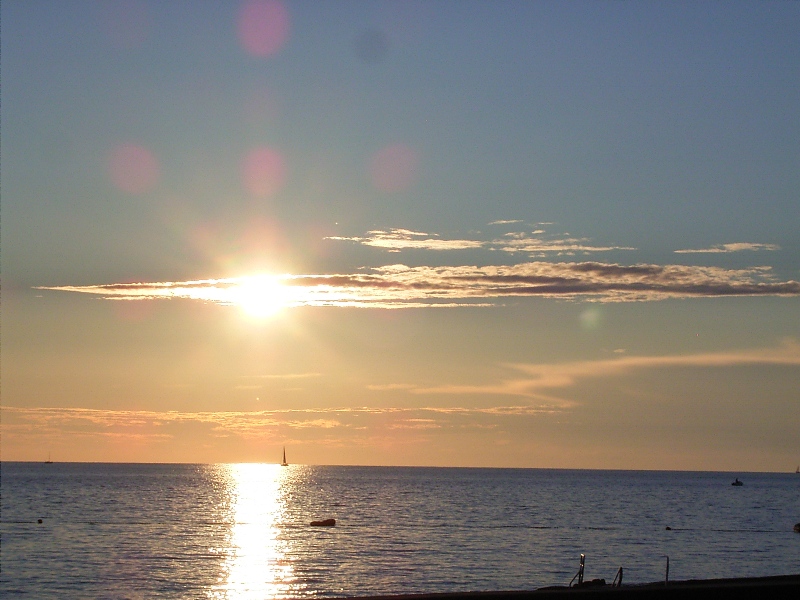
[[797, 527], [324, 523], [39, 521], [736, 482], [669, 528]]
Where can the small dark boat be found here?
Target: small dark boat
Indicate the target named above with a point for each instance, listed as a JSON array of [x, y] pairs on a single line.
[[737, 483], [283, 462]]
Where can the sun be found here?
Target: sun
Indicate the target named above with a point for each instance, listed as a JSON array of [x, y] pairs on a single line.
[[260, 296]]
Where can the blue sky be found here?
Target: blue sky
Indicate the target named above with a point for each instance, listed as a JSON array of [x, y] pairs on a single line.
[[564, 185]]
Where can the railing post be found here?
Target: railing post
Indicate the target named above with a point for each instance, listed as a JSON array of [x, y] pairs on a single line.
[[579, 574]]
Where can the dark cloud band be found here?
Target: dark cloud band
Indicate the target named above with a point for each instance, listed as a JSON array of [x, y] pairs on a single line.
[[399, 286]]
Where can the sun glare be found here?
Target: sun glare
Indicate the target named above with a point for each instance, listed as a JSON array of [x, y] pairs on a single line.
[[260, 296], [257, 565]]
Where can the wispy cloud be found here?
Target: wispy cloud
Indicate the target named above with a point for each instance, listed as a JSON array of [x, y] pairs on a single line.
[[395, 240], [387, 387], [735, 247], [401, 286], [416, 424], [536, 383], [155, 425], [537, 377], [531, 244], [534, 243], [286, 376]]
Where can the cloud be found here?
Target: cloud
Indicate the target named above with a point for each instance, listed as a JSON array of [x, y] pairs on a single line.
[[539, 377], [32, 422], [390, 387], [401, 286], [416, 424], [396, 240], [537, 383], [287, 376], [726, 248], [536, 245]]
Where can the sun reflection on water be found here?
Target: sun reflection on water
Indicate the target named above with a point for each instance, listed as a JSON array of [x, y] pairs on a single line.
[[256, 565]]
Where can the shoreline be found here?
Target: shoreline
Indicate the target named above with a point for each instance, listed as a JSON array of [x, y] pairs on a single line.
[[777, 586]]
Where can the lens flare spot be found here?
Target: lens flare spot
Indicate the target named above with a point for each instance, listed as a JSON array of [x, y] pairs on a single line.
[[394, 168], [133, 169], [591, 318], [264, 172], [263, 27]]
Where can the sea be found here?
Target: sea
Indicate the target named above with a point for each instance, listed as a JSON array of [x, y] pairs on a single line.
[[225, 531]]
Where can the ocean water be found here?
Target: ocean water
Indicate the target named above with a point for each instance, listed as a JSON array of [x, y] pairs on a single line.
[[242, 531]]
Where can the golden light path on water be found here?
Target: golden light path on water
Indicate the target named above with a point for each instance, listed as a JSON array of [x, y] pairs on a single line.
[[256, 563]]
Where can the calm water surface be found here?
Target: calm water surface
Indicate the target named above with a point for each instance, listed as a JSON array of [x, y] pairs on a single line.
[[241, 531]]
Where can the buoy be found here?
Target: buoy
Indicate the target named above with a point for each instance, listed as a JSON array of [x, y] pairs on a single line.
[[669, 528], [797, 527], [39, 521], [324, 523]]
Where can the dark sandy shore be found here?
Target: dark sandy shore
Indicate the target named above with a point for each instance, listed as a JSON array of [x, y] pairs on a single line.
[[761, 588]]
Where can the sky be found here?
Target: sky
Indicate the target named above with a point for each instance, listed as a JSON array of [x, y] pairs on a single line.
[[503, 234]]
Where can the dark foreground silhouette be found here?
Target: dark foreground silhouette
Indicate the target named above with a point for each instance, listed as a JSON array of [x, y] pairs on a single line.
[[767, 588]]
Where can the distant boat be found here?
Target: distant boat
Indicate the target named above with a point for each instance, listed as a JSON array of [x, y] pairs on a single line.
[[798, 470], [48, 461], [736, 482], [284, 463]]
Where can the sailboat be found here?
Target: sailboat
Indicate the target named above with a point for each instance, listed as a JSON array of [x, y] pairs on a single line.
[[48, 461], [798, 470], [283, 462]]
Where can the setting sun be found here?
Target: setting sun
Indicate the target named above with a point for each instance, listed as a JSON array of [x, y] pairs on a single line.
[[260, 296]]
